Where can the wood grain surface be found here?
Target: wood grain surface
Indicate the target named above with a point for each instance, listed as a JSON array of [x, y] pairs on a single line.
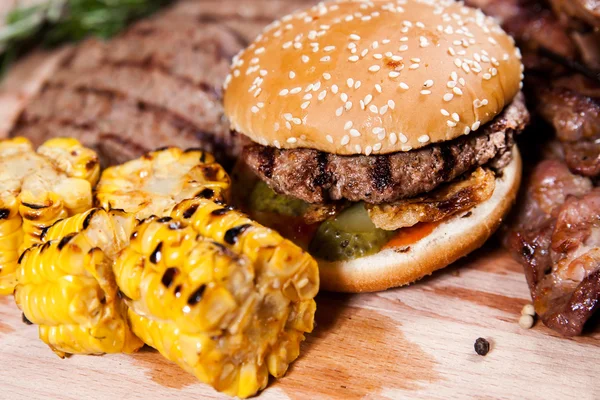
[[411, 342]]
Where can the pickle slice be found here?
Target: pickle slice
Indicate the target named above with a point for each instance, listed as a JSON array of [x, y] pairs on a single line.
[[264, 199], [350, 235]]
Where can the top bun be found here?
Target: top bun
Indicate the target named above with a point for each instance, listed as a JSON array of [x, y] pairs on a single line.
[[363, 77]]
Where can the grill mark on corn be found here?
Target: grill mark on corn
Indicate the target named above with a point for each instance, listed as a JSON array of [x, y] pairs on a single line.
[[196, 297], [164, 219], [231, 236], [45, 246], [86, 221], [25, 320], [133, 235], [205, 194], [156, 255], [35, 206], [267, 161], [381, 174], [221, 211], [187, 214], [23, 255], [177, 291], [63, 242], [169, 276], [4, 213]]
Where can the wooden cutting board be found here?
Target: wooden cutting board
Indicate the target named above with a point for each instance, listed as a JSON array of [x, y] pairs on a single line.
[[411, 342]]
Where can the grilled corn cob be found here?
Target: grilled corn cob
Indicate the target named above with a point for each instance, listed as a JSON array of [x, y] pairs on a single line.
[[154, 183], [36, 189], [67, 285], [222, 296]]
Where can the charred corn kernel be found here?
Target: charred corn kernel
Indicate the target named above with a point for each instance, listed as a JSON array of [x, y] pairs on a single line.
[[225, 298], [67, 285], [36, 189], [156, 182]]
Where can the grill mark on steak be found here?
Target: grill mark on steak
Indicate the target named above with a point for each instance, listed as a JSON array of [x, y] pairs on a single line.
[[380, 179]]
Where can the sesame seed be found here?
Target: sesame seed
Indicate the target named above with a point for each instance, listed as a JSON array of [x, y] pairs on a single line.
[[403, 85], [326, 76], [451, 84], [339, 111], [353, 58], [325, 59], [354, 37], [322, 95], [457, 62], [448, 96], [374, 68], [457, 91], [423, 139], [378, 87], [368, 150], [329, 138], [357, 148], [344, 97], [451, 124], [373, 109], [377, 147], [292, 140], [257, 92], [354, 132], [364, 52], [425, 92], [467, 130], [350, 82], [454, 76], [305, 105], [455, 117], [383, 109], [357, 84], [334, 89], [444, 112], [254, 109], [403, 48], [305, 58], [288, 116], [484, 102], [297, 45], [348, 105], [403, 137], [276, 126], [296, 121], [377, 56], [329, 48], [292, 74], [428, 83], [345, 140], [393, 138], [391, 104], [475, 125], [296, 90], [466, 67], [347, 125], [288, 125], [263, 72], [414, 66], [462, 81], [404, 39]]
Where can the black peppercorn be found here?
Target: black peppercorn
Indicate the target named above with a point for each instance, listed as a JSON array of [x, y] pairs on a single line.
[[482, 346]]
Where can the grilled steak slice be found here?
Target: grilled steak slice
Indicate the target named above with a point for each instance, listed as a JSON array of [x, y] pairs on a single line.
[[157, 84], [318, 177], [557, 239], [576, 119]]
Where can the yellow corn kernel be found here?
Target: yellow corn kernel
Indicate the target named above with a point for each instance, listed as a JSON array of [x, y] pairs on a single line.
[[225, 298], [67, 285], [37, 189], [154, 183]]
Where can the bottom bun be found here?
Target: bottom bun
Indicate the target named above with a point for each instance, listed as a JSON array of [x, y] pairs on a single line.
[[450, 240]]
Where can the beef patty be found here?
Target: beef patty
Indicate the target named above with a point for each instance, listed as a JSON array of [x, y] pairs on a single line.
[[318, 177]]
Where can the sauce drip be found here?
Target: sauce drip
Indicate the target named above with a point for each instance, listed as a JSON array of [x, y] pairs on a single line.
[[407, 236]]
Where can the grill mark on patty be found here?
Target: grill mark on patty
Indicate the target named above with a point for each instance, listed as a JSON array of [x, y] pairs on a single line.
[[381, 174], [267, 161], [323, 177], [448, 162]]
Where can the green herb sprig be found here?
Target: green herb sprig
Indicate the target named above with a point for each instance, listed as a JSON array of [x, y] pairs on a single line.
[[55, 22]]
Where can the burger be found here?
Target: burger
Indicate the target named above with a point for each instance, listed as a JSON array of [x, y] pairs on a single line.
[[380, 134]]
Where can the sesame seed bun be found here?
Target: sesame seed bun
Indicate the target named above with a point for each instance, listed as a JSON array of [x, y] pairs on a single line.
[[452, 239], [362, 77]]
